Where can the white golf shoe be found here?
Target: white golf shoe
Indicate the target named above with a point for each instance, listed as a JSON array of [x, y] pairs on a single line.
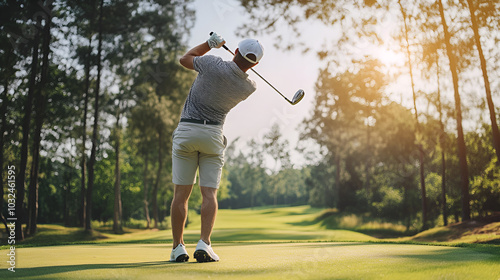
[[205, 253], [179, 254]]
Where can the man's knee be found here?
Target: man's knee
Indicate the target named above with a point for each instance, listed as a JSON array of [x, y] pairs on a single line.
[[209, 194], [181, 195]]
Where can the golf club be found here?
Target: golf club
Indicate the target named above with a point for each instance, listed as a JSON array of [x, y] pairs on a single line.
[[296, 97]]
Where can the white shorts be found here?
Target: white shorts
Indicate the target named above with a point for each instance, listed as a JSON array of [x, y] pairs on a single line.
[[198, 146]]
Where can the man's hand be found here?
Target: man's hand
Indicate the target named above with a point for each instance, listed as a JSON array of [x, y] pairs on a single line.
[[215, 41]]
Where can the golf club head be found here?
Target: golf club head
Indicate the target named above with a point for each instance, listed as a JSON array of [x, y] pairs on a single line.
[[298, 96]]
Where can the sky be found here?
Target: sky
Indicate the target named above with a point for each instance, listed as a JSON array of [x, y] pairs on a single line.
[[288, 71]]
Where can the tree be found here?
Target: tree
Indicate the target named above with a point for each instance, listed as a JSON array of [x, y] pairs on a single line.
[[396, 164], [40, 105], [95, 131], [145, 191], [21, 176], [278, 149], [343, 104], [141, 132], [5, 99], [83, 161], [253, 173], [11, 52], [84, 10], [117, 213], [166, 24], [462, 152], [491, 107], [431, 56], [417, 132]]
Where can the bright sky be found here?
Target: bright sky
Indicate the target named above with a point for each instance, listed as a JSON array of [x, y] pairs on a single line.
[[287, 71]]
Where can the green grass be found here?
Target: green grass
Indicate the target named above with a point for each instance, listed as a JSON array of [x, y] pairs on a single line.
[[56, 235], [323, 260], [264, 243], [277, 224], [245, 225]]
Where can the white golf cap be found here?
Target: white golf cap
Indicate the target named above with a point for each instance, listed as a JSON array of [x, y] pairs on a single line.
[[251, 46]]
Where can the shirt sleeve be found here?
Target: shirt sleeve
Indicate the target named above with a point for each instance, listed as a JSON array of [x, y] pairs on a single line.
[[203, 63]]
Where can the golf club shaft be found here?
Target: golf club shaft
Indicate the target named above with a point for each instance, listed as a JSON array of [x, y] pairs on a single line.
[[227, 49]]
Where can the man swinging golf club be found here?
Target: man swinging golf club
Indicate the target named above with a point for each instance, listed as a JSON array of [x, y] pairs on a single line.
[[198, 141]]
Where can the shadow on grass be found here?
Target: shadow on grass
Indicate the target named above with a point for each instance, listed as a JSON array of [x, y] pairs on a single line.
[[334, 220], [49, 270], [380, 233], [491, 242], [383, 233], [455, 256], [109, 230], [54, 234]]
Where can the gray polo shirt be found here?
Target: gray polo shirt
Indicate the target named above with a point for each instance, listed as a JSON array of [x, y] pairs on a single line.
[[219, 86]]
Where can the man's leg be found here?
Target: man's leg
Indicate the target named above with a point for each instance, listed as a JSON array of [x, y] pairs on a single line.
[[209, 208], [178, 212]]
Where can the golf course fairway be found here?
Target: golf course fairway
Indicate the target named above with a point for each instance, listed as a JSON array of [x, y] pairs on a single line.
[[271, 243], [318, 260]]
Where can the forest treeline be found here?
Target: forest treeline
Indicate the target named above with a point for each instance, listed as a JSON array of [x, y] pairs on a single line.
[[91, 92]]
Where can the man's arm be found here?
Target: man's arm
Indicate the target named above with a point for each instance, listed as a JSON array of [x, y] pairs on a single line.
[[188, 58], [215, 41]]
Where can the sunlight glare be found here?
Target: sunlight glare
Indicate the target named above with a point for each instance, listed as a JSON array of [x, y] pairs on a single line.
[[389, 57]]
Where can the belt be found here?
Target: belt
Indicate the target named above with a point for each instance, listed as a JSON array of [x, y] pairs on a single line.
[[200, 121]]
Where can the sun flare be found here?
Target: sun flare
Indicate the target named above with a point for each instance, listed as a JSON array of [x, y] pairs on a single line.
[[389, 57]]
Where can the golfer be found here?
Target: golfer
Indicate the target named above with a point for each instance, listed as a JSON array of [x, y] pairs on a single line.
[[198, 140]]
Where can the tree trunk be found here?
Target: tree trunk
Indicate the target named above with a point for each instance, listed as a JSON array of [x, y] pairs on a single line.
[[28, 106], [422, 188], [66, 205], [95, 132], [2, 131], [462, 151], [158, 176], [67, 193], [443, 188], [83, 163], [406, 203], [336, 188], [442, 135], [40, 104], [117, 216], [366, 182], [491, 106], [417, 131], [145, 183]]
